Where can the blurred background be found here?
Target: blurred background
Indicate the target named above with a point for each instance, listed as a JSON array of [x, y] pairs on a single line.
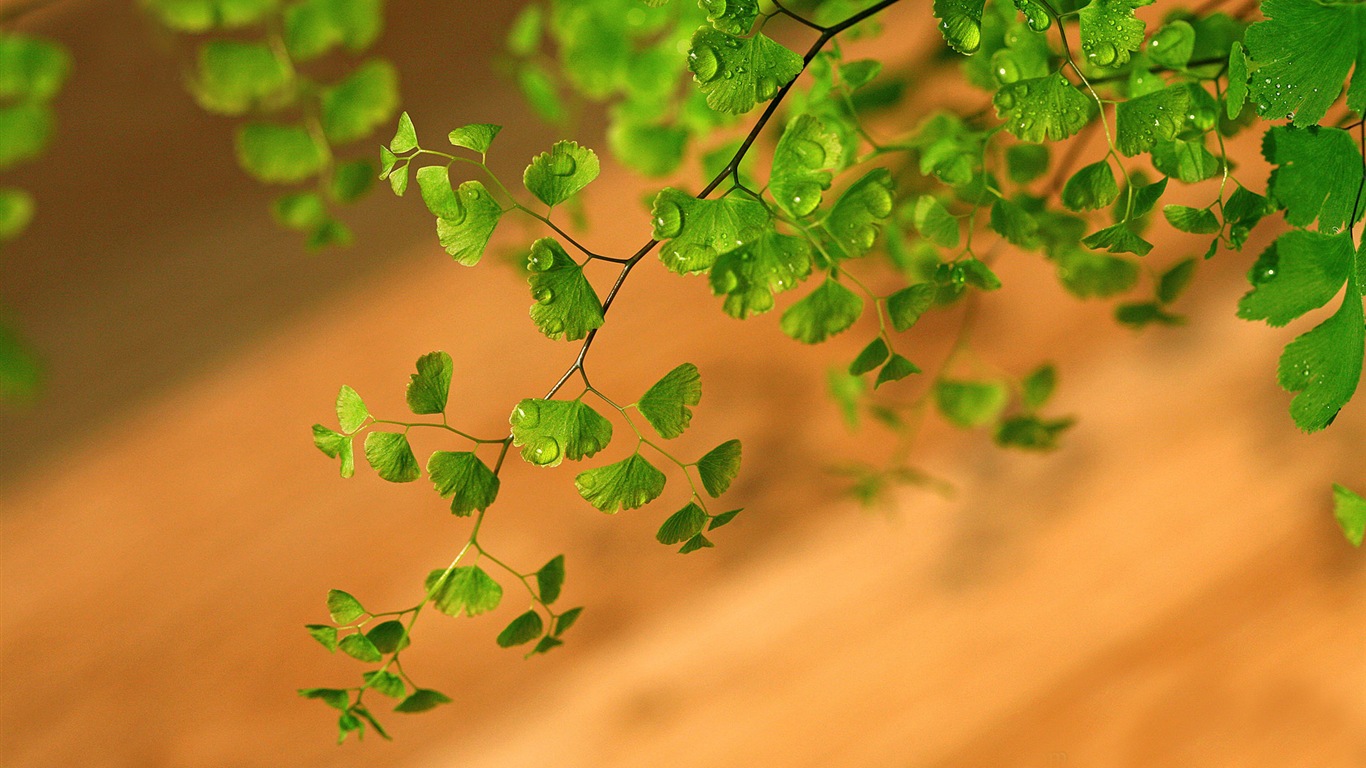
[[1169, 588]]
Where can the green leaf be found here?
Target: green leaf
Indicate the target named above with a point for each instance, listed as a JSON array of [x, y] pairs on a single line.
[[25, 130], [466, 589], [1026, 162], [348, 723], [278, 154], [465, 233], [541, 93], [1117, 238], [391, 456], [871, 357], [398, 181], [16, 211], [566, 620], [682, 525], [826, 311], [323, 633], [422, 700], [405, 138], [334, 445], [857, 74], [1011, 221], [1174, 281], [1142, 122], [1198, 221], [465, 478], [1236, 96], [665, 405], [550, 579], [203, 15], [555, 176], [695, 232], [1301, 54], [31, 69], [342, 607], [523, 629], [1172, 45], [1086, 274], [476, 137], [550, 430], [1090, 188], [1317, 175], [856, 217], [896, 369], [386, 684], [332, 697], [1299, 272], [695, 543], [751, 274], [1190, 161], [735, 73], [1031, 433], [630, 483], [314, 27], [807, 148], [970, 403], [566, 306], [546, 645], [1109, 31], [235, 77], [977, 274], [935, 223], [653, 149], [1037, 387], [961, 23], [524, 36], [351, 180], [725, 517], [389, 636], [1324, 365], [719, 467], [1142, 314], [431, 385], [364, 101], [1350, 510], [907, 305], [359, 647], [1043, 108], [351, 410], [734, 17]]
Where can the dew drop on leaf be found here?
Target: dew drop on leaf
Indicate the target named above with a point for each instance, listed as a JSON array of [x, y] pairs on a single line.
[[704, 63]]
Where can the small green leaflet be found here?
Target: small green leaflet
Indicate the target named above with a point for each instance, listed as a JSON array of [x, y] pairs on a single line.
[[1317, 174], [826, 311], [719, 467], [650, 148], [359, 647], [351, 410], [1142, 122], [523, 629], [566, 306], [203, 15], [896, 369], [1199, 221], [871, 357], [325, 634], [31, 68], [1043, 109], [666, 404], [856, 217], [1172, 45], [342, 607], [1086, 274], [524, 36], [735, 73], [386, 683], [1109, 31], [807, 148], [16, 211], [233, 77], [351, 180], [907, 305], [751, 274], [1300, 56], [1014, 223], [465, 478], [550, 430], [696, 231], [550, 579], [25, 130], [422, 700], [1026, 162], [1324, 365], [314, 27], [1117, 238], [1190, 161], [1090, 188], [970, 404], [682, 525], [1037, 387], [477, 137], [356, 106], [630, 483], [391, 457], [278, 154], [1237, 81], [389, 636], [332, 697], [465, 220], [1350, 510], [734, 17], [334, 445], [1031, 433], [431, 385], [566, 620], [1138, 315], [725, 517], [1174, 281], [961, 23], [934, 222], [555, 176], [1299, 272], [405, 137], [467, 589]]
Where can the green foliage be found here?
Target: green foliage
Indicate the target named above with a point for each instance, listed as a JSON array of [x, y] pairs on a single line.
[[800, 162], [548, 431], [735, 72], [555, 176], [696, 232], [1350, 509], [826, 311], [666, 404], [565, 304], [630, 483]]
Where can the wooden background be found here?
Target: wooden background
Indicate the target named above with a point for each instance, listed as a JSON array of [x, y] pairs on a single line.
[[1167, 590]]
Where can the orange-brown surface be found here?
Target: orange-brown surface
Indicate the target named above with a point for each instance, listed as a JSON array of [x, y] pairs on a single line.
[[1169, 589]]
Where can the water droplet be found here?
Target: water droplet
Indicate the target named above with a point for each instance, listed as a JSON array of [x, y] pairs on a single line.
[[527, 414], [543, 295], [725, 281], [563, 164], [541, 258], [1007, 71], [809, 152], [805, 197], [714, 8], [1102, 54], [964, 33], [766, 88], [545, 451], [705, 63], [668, 220]]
